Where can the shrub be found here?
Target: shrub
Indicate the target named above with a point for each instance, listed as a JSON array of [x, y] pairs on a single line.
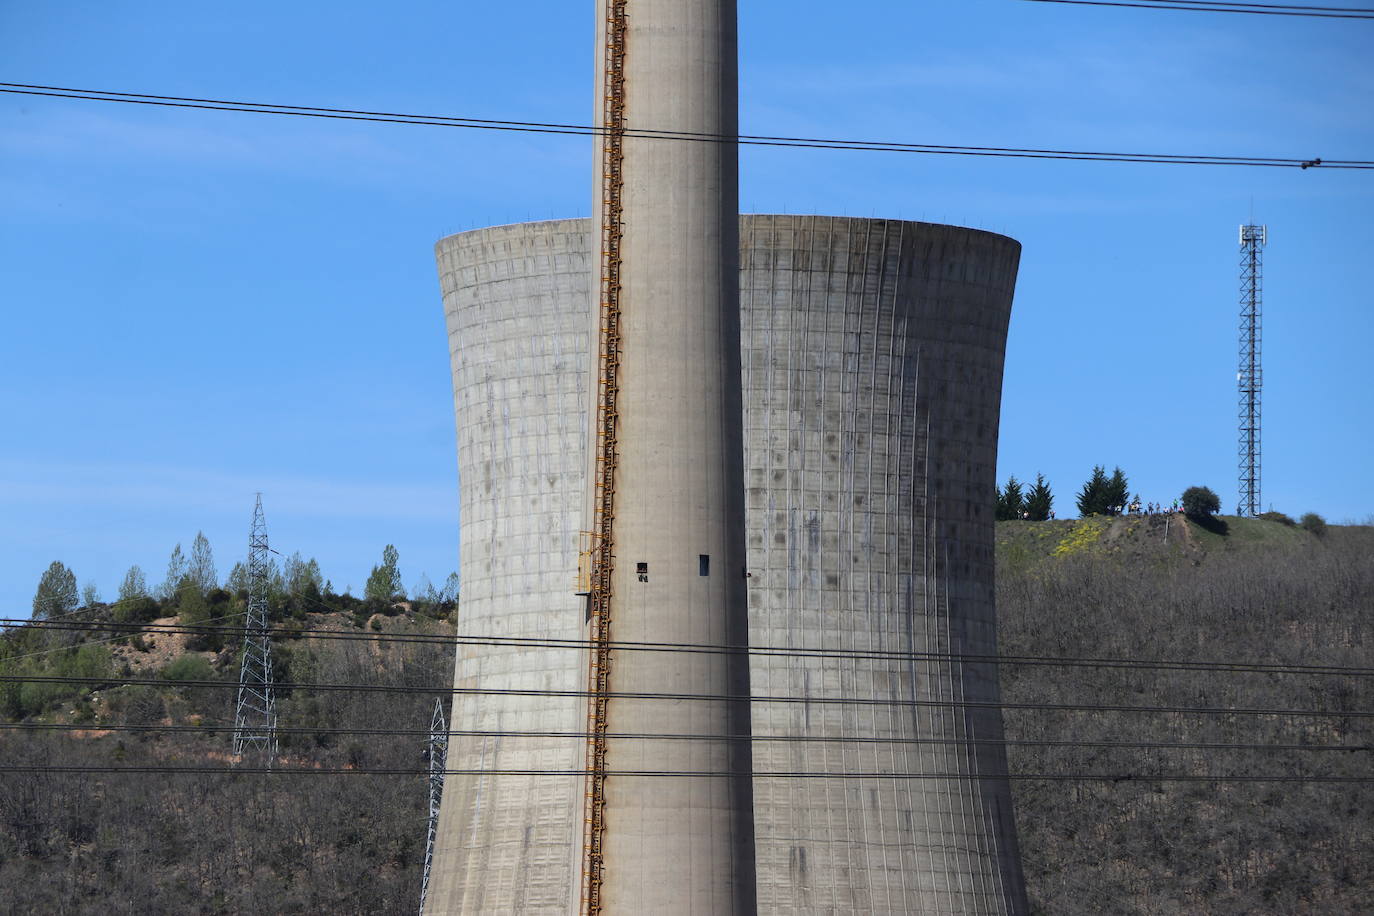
[[1279, 517], [188, 668], [136, 610], [1314, 523], [1200, 503]]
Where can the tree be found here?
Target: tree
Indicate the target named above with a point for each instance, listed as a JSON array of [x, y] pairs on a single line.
[[1118, 492], [1314, 523], [56, 591], [134, 585], [176, 571], [1200, 503], [202, 568], [449, 593], [1092, 499], [1010, 501], [90, 595], [1039, 501], [237, 583], [303, 577], [384, 582]]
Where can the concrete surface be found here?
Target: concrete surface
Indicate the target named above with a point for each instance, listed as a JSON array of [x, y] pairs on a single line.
[[871, 368], [680, 845]]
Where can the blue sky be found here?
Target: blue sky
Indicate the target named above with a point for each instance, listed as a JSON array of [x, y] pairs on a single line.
[[201, 305]]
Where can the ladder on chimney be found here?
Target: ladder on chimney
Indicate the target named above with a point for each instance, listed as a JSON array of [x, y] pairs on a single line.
[[602, 554]]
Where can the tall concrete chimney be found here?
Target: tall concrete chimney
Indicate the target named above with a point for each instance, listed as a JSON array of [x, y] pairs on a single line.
[[677, 844]]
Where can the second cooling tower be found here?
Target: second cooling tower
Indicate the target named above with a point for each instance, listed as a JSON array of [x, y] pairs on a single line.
[[872, 358]]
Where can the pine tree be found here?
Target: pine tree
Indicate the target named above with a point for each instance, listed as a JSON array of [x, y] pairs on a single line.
[[56, 591], [449, 593], [237, 583], [1010, 500], [202, 568], [384, 582], [1039, 501], [134, 585], [1092, 499], [1118, 492], [176, 571]]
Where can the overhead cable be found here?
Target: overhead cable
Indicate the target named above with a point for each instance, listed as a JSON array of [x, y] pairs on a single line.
[[89, 730], [114, 682], [686, 774], [518, 642], [541, 127], [1254, 9]]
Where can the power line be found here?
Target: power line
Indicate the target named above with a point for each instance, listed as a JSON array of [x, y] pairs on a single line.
[[139, 630], [61, 727], [1254, 9], [542, 127], [110, 682], [687, 774], [517, 642]]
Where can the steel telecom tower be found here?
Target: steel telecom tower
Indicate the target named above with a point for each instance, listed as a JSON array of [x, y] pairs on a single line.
[[1250, 376], [255, 715], [438, 760]]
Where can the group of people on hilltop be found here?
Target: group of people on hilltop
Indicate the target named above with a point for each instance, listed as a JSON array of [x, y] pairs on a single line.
[[1149, 508]]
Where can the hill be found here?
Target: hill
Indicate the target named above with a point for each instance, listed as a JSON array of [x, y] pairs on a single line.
[[1134, 588], [1262, 592], [179, 843]]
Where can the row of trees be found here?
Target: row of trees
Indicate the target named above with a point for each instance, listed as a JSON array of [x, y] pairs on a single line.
[[1035, 504], [1102, 494], [297, 586]]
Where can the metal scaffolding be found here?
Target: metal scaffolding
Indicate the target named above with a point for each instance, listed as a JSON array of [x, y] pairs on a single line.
[[602, 556], [255, 714], [1250, 375]]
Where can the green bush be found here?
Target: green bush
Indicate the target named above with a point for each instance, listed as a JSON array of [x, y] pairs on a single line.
[[140, 609], [188, 668], [1200, 503], [1279, 517], [1314, 523]]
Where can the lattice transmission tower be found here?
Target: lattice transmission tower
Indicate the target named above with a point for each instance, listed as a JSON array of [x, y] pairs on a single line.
[[255, 714], [1250, 376], [438, 760]]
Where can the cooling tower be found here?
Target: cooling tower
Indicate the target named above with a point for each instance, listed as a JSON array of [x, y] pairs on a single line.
[[871, 357]]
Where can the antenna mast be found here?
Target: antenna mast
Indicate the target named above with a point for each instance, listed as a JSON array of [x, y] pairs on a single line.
[[1250, 376], [255, 715]]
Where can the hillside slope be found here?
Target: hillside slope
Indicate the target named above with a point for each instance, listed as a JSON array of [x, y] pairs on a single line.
[[1261, 593], [151, 842]]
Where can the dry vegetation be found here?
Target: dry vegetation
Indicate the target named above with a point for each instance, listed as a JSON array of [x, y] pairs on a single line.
[[219, 844], [1261, 593], [152, 843]]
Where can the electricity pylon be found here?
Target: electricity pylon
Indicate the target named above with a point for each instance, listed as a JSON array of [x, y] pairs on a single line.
[[255, 714], [438, 759]]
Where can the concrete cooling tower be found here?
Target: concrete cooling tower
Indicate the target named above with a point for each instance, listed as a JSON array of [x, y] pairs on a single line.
[[871, 356]]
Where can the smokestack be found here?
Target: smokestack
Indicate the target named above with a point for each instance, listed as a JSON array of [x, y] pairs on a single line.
[[680, 844]]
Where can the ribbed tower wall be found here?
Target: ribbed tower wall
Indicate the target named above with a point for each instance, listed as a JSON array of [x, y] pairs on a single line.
[[872, 355], [872, 358]]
